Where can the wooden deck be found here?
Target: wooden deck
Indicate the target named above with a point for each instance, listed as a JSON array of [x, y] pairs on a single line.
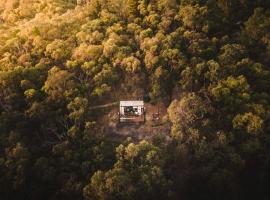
[[132, 119]]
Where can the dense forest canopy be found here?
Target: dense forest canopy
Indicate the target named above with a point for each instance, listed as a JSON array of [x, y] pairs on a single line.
[[207, 60]]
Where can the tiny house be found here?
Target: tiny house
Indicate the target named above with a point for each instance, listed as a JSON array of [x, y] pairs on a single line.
[[131, 111]]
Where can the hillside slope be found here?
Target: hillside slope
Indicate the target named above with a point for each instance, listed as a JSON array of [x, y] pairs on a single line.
[[207, 61]]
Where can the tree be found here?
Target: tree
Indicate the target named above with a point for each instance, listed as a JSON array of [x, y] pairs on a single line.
[[59, 84], [232, 92], [256, 33], [188, 113], [58, 50], [194, 17], [248, 122], [17, 164], [137, 174]]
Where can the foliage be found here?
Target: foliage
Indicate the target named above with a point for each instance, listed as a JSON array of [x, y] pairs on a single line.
[[207, 60]]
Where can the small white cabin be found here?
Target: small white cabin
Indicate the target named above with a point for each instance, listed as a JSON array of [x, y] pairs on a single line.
[[131, 111]]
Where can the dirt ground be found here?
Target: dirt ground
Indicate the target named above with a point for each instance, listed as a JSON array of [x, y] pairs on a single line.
[[156, 124]]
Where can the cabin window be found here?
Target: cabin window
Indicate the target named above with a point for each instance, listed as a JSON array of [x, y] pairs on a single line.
[[129, 110]]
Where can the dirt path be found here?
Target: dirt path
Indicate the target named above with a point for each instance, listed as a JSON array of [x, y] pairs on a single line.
[[104, 106]]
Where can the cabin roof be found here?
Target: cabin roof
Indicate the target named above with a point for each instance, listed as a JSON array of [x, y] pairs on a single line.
[[131, 103]]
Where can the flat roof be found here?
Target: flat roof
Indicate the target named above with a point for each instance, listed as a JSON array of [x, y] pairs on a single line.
[[131, 103]]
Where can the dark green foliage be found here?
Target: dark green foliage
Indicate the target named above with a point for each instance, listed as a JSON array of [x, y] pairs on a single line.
[[207, 59]]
